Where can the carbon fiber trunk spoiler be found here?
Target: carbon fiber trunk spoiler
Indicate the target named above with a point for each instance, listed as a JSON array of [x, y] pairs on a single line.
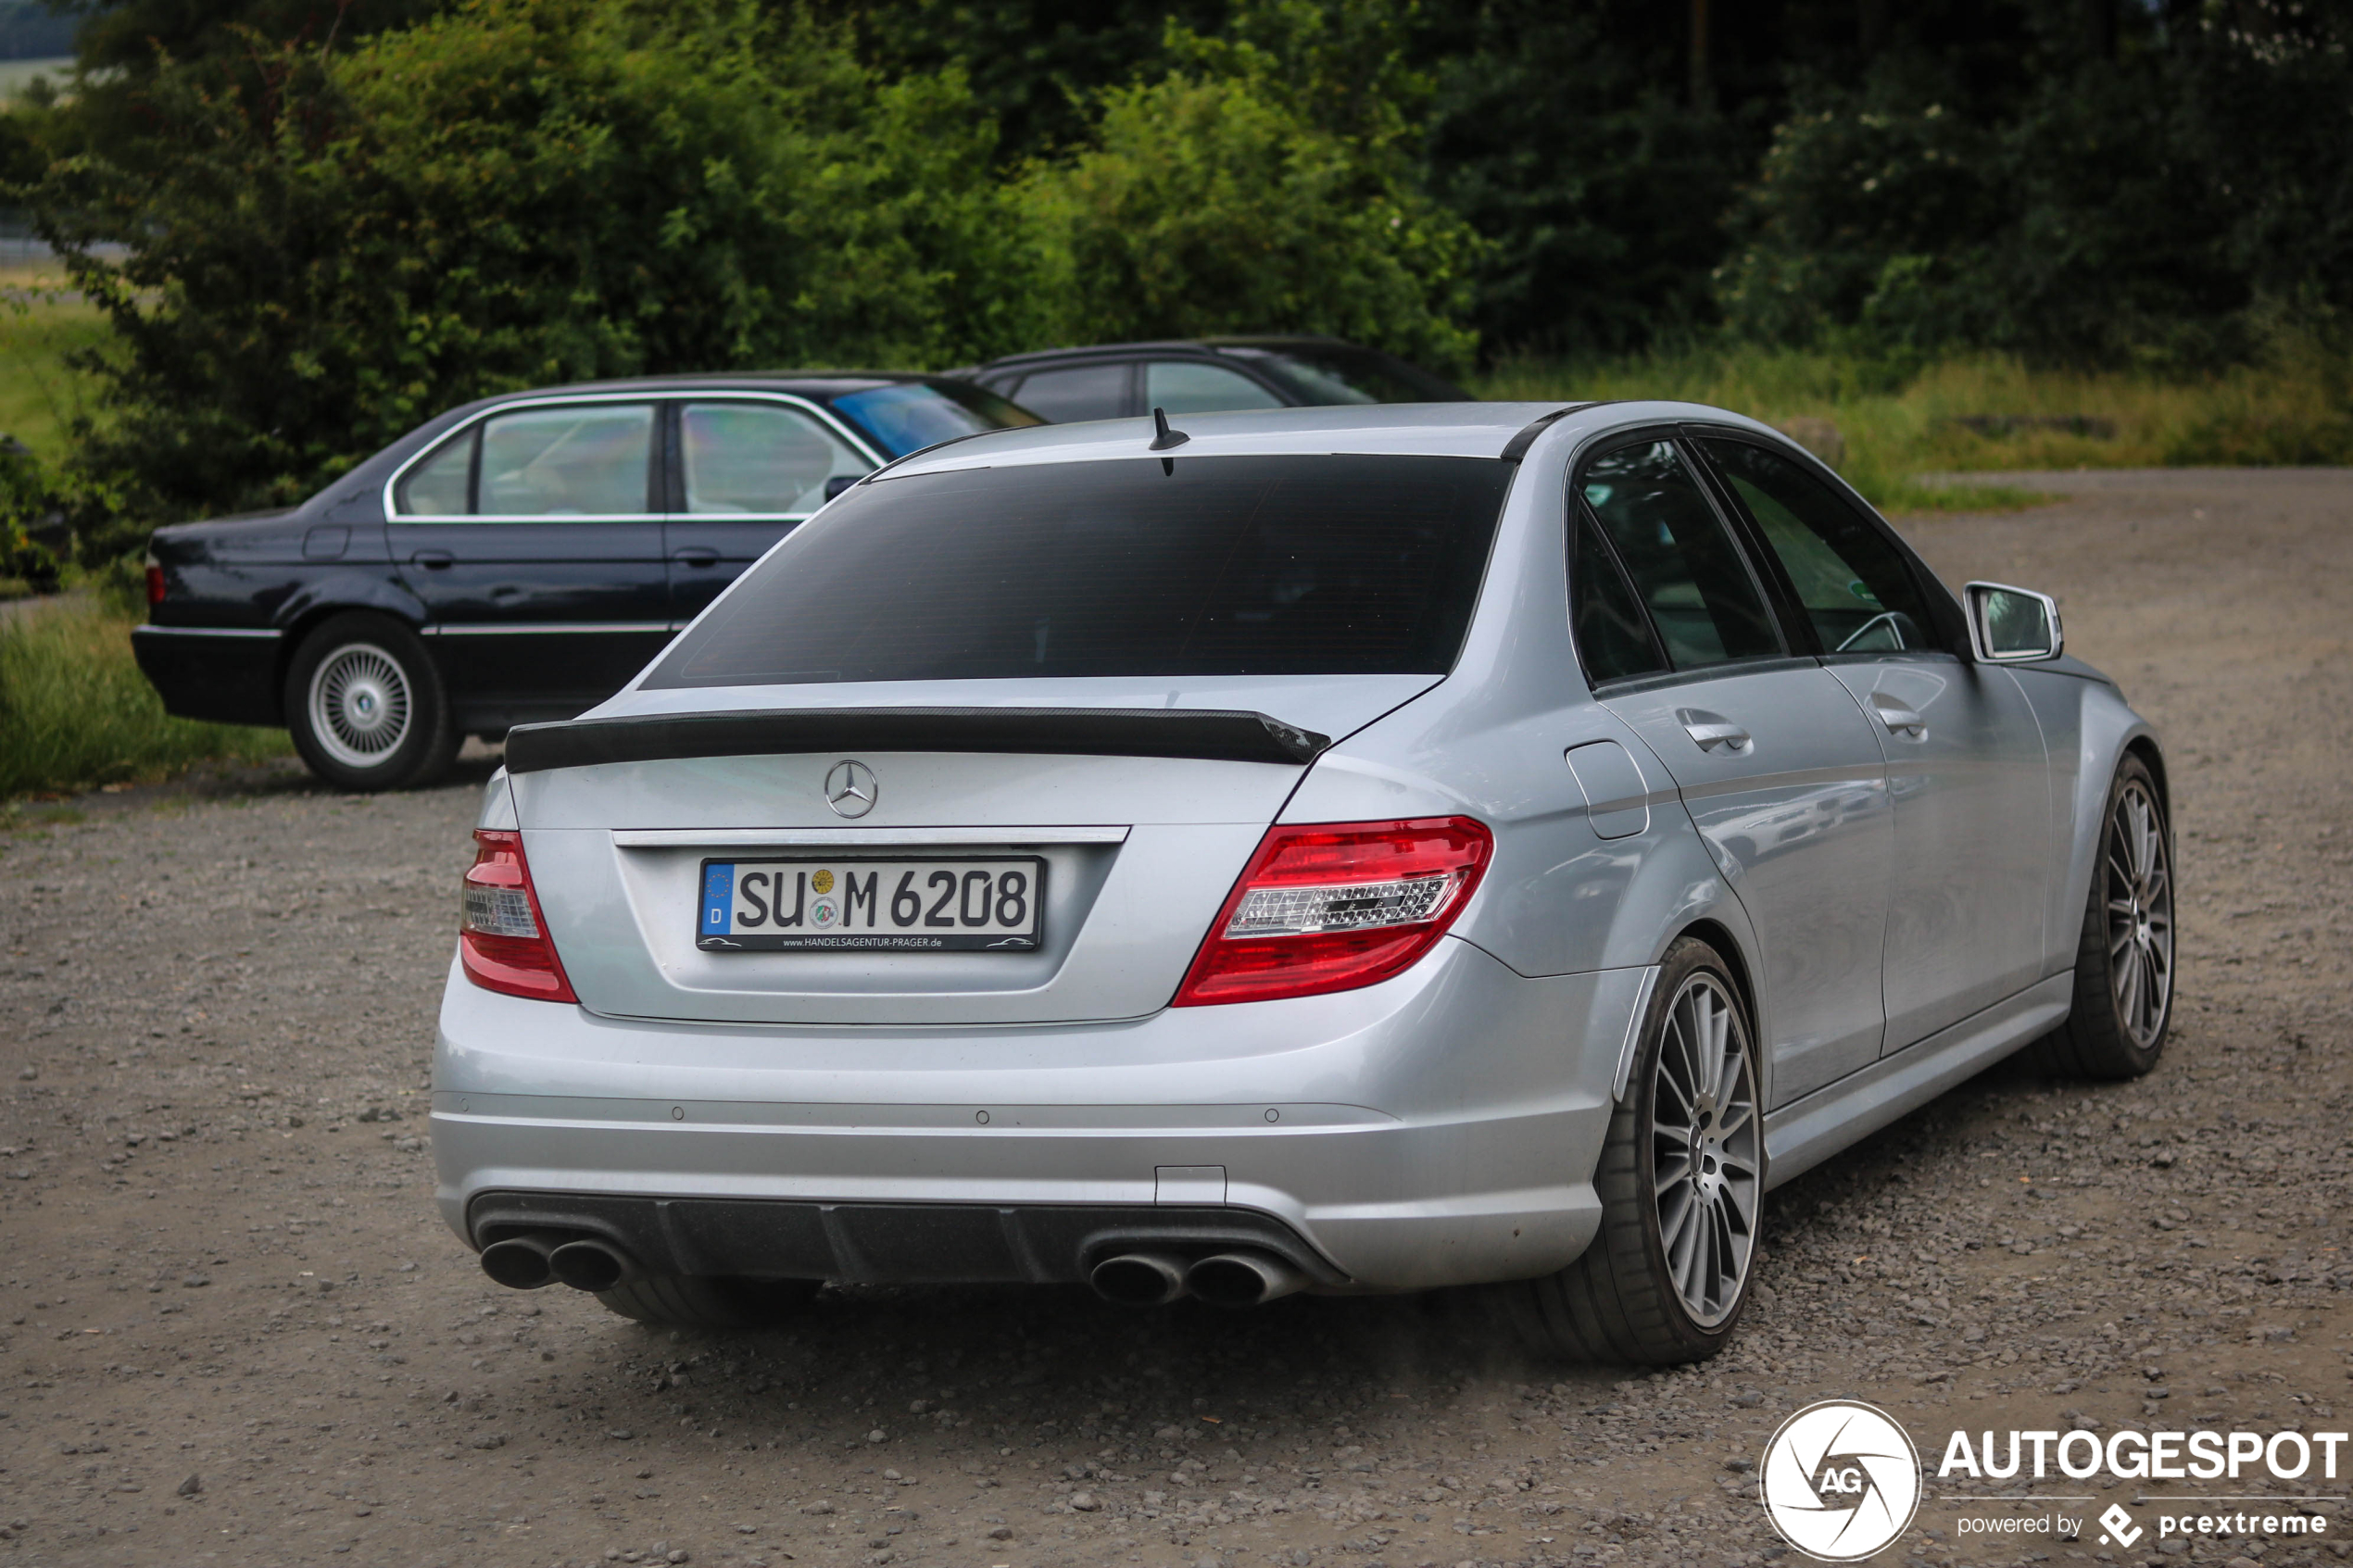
[[1208, 735]]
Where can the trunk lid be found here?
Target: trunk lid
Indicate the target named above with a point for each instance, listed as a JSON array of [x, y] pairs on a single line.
[[1138, 850]]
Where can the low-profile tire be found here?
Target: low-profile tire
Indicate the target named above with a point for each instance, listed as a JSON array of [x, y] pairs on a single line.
[[1681, 1180], [365, 706], [2123, 1001], [707, 1301]]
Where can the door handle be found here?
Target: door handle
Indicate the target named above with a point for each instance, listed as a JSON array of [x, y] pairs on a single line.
[[1899, 719], [434, 560], [697, 555], [1709, 731]]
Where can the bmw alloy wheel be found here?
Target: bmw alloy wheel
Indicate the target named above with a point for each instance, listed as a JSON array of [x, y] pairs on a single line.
[[360, 707], [1706, 1165]]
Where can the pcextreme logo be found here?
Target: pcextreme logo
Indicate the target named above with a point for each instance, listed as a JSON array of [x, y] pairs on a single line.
[[1840, 1480]]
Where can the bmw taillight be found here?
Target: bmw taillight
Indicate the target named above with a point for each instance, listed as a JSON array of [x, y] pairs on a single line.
[[154, 582], [1333, 905], [503, 942]]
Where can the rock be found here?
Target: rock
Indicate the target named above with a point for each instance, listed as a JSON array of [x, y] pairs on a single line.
[[878, 1436], [1001, 1533], [1084, 1502], [196, 1282], [488, 1440], [1817, 435], [191, 1486], [621, 1434]]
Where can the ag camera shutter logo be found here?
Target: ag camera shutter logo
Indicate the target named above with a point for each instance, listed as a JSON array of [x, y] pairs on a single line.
[[1840, 1480]]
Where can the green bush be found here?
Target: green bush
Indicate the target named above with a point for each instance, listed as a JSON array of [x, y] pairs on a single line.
[[1265, 184], [326, 252], [515, 193], [2155, 207]]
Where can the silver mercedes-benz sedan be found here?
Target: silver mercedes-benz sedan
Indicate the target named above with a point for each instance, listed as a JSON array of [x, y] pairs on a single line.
[[1333, 849]]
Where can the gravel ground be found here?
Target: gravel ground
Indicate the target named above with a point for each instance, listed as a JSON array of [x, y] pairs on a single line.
[[233, 1331]]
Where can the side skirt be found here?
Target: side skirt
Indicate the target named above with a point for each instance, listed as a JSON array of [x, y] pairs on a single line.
[[1801, 1134]]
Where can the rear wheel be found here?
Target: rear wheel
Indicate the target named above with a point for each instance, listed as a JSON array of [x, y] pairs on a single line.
[[707, 1301], [1681, 1181], [365, 707], [2124, 952]]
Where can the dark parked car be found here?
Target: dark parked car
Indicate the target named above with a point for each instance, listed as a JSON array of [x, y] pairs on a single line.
[[518, 559], [1210, 375]]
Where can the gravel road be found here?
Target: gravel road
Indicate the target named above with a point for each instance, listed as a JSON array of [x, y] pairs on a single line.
[[233, 1331]]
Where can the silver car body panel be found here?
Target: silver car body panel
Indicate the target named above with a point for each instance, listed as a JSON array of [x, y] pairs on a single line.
[[1439, 1127]]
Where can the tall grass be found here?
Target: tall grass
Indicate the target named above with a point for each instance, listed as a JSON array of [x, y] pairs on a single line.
[[75, 711], [1901, 420]]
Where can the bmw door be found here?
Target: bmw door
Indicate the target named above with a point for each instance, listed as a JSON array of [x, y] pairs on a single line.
[[746, 471], [1965, 757], [534, 539], [1775, 762]]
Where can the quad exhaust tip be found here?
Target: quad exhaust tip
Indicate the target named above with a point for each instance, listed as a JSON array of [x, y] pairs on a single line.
[[1139, 1279], [1241, 1278], [1244, 1279], [520, 1262], [529, 1262]]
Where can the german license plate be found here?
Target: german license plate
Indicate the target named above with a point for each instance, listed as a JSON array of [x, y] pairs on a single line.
[[936, 905]]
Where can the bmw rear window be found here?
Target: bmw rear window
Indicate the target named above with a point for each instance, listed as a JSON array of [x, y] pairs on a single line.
[[1227, 566]]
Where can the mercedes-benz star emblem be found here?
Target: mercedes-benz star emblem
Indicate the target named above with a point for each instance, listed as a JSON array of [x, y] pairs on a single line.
[[850, 789]]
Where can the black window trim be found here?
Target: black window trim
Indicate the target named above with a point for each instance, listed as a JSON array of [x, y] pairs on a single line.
[[1951, 630], [1790, 654]]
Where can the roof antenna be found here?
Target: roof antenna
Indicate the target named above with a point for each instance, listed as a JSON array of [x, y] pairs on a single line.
[[1166, 440]]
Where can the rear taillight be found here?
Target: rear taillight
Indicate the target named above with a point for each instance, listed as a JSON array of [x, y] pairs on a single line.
[[503, 942], [1335, 906], [154, 585]]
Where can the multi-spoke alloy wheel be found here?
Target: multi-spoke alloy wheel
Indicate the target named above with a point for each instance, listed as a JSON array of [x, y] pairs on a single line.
[[1705, 1168], [365, 704], [2140, 914], [1682, 1182], [2124, 998], [359, 705]]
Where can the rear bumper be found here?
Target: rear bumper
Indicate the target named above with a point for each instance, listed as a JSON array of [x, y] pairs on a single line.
[[1439, 1129], [226, 674]]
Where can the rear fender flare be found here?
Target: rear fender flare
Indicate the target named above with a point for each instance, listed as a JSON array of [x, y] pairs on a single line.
[[315, 602]]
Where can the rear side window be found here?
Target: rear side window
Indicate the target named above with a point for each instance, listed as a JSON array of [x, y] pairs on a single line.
[[588, 461], [1186, 386], [1686, 569], [1228, 566], [1613, 635], [443, 485], [1082, 391]]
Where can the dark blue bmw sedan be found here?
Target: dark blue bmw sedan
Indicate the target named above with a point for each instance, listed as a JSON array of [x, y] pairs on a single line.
[[515, 559]]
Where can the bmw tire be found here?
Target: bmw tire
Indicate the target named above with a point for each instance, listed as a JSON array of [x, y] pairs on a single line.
[[1681, 1180], [365, 704]]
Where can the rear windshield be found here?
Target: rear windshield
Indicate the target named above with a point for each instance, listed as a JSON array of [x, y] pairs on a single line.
[[909, 416], [1228, 566]]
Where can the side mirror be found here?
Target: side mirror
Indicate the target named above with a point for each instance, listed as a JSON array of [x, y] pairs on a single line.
[[840, 483], [2010, 625]]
